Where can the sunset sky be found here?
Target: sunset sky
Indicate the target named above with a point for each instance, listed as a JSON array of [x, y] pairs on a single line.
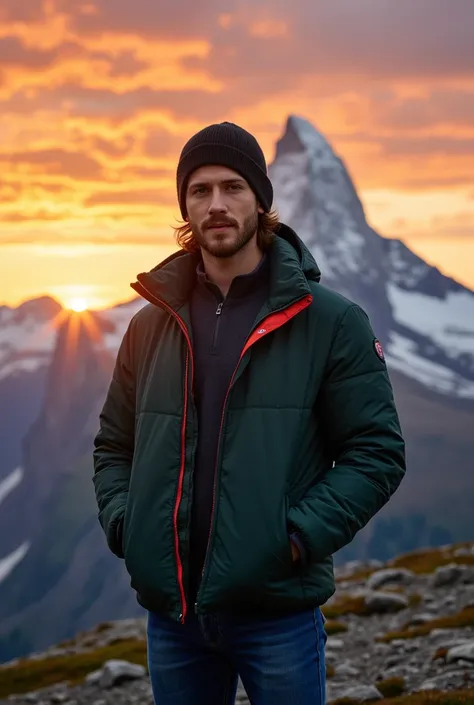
[[98, 97]]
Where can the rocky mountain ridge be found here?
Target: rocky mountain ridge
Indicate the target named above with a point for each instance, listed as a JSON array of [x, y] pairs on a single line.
[[400, 632]]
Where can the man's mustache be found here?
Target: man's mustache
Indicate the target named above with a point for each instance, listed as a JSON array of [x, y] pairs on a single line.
[[218, 222]]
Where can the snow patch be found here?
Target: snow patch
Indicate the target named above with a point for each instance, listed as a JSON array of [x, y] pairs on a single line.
[[402, 355], [119, 317], [448, 322], [8, 564], [29, 335], [27, 364], [10, 483]]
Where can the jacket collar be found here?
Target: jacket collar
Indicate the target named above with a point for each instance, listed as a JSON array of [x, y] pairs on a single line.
[[173, 279]]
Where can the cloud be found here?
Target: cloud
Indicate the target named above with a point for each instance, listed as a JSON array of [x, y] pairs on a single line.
[[54, 161], [14, 53], [97, 97], [378, 37], [458, 226], [24, 11], [31, 217], [129, 197], [435, 107]]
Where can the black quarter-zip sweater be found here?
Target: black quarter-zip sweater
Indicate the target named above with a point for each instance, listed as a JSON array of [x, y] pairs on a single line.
[[220, 327]]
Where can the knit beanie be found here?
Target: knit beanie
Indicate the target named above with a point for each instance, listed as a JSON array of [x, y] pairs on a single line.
[[225, 144]]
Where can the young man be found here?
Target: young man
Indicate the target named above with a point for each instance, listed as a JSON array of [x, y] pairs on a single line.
[[248, 433]]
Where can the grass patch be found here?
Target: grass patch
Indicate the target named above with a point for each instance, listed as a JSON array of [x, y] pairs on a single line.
[[460, 620], [392, 687], [428, 560], [356, 605], [421, 561], [454, 697], [359, 575], [28, 675], [330, 671], [332, 626], [345, 605]]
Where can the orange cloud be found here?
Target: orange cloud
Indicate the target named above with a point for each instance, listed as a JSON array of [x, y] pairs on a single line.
[[54, 161]]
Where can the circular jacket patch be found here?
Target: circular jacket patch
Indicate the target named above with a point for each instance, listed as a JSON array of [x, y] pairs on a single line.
[[379, 349]]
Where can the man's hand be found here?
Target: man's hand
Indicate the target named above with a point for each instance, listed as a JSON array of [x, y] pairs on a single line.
[[295, 551]]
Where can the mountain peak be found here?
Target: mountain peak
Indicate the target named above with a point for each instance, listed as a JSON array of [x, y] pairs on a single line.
[[300, 135], [309, 135]]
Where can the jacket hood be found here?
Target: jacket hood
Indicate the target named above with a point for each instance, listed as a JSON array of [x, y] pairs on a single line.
[[307, 262]]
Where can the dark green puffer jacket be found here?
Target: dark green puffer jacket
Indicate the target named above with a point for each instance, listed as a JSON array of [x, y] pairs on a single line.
[[310, 439]]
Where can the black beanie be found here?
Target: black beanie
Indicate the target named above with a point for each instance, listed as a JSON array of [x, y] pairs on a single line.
[[228, 145]]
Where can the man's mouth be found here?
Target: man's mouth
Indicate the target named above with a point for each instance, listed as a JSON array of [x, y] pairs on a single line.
[[219, 226]]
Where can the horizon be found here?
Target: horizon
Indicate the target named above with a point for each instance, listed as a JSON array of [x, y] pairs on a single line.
[[98, 97]]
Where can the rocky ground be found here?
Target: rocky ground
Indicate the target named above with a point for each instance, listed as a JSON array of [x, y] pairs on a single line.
[[403, 628]]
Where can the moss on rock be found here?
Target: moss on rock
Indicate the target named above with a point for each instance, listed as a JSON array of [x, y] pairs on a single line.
[[28, 675], [460, 620]]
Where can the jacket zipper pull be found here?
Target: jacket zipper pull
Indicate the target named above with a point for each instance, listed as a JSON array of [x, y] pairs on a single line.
[[219, 308]]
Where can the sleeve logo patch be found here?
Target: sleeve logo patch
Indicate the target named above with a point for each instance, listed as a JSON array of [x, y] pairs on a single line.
[[379, 349]]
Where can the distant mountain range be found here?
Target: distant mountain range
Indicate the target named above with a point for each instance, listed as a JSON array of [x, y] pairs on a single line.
[[56, 574]]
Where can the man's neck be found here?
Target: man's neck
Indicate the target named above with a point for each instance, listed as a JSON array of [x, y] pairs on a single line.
[[222, 270]]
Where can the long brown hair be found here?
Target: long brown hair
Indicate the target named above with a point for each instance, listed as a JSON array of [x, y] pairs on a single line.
[[267, 225]]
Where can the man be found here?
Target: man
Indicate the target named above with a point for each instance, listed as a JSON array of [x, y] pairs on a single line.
[[248, 433]]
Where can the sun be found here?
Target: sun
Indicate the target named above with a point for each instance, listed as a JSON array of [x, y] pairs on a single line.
[[77, 304]]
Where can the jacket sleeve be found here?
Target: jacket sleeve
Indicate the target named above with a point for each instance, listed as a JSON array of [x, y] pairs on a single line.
[[363, 433], [114, 445]]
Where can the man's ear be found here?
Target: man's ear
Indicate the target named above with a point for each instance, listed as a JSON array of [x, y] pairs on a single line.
[[261, 210]]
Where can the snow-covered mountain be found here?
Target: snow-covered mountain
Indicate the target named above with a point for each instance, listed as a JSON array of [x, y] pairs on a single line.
[[426, 319], [56, 574], [43, 351], [27, 340]]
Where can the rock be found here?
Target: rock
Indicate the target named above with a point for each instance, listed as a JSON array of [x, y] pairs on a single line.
[[380, 602], [463, 651], [421, 618], [362, 693], [464, 551], [393, 661], [390, 575], [334, 643], [451, 643], [93, 678], [427, 685], [446, 575], [116, 672], [346, 670]]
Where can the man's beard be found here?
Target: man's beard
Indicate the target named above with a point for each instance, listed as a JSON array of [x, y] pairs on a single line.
[[226, 246]]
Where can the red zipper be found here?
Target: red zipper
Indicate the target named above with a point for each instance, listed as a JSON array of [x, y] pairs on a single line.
[[269, 324], [189, 355]]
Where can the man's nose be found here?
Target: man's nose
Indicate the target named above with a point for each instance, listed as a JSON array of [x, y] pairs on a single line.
[[217, 204]]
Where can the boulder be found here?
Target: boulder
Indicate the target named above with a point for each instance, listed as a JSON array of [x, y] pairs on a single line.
[[398, 576], [464, 652], [115, 672], [361, 694], [446, 575], [382, 602]]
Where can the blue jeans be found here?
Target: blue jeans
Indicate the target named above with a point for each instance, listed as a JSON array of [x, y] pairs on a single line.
[[280, 660]]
